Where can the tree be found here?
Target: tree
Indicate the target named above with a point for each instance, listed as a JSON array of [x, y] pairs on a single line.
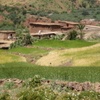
[[23, 38], [81, 27]]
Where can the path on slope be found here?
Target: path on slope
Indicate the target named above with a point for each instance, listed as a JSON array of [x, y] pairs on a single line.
[[85, 56]]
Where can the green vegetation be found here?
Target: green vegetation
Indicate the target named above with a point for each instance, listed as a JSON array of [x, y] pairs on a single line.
[[7, 57], [62, 44], [23, 38], [53, 5], [36, 89], [29, 50], [6, 26], [41, 48], [72, 35], [65, 10], [25, 70], [77, 15], [81, 27], [79, 64]]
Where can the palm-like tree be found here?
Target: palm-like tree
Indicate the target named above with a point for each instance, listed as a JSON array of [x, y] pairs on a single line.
[[81, 27]]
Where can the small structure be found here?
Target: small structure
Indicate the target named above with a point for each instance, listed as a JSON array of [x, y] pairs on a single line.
[[91, 32], [36, 26], [91, 28], [68, 24], [44, 35], [7, 34], [90, 22], [5, 44], [6, 38]]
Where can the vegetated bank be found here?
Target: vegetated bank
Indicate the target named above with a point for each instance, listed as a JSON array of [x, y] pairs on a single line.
[[25, 70]]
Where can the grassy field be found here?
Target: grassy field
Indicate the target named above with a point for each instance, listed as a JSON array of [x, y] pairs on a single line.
[[63, 44], [73, 53], [39, 49], [26, 70], [14, 67], [33, 51], [8, 57]]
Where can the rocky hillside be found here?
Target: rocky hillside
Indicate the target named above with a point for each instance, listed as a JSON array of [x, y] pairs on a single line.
[[55, 5]]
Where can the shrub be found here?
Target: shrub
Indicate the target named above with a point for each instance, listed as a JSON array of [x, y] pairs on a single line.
[[23, 38], [9, 85], [40, 93], [4, 96], [72, 35]]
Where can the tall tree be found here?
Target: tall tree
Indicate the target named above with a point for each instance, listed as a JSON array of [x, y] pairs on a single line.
[[81, 27]]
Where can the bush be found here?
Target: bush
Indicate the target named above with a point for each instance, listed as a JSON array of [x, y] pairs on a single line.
[[40, 93], [4, 96], [72, 35], [23, 38], [6, 26]]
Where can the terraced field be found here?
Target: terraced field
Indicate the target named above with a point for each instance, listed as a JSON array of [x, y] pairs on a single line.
[[75, 61], [86, 56]]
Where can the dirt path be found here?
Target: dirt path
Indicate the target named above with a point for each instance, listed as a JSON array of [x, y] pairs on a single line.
[[57, 58]]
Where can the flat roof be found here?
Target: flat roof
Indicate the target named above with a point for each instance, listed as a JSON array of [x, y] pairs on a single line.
[[7, 31], [65, 27], [92, 26], [69, 22], [48, 24], [46, 33]]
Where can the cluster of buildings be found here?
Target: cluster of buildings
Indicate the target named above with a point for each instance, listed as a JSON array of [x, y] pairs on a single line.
[[42, 26]]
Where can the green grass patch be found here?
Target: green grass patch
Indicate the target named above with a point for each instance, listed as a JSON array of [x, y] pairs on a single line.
[[26, 70], [6, 57], [30, 51], [63, 44]]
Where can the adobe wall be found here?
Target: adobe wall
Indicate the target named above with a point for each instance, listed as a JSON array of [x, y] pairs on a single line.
[[4, 36], [36, 28]]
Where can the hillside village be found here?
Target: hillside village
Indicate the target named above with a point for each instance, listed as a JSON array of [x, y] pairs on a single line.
[[44, 27], [49, 49]]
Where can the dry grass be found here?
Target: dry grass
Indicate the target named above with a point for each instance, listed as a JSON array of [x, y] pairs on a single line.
[[86, 56]]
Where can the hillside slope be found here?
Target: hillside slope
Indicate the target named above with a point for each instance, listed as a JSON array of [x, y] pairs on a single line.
[[56, 5]]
